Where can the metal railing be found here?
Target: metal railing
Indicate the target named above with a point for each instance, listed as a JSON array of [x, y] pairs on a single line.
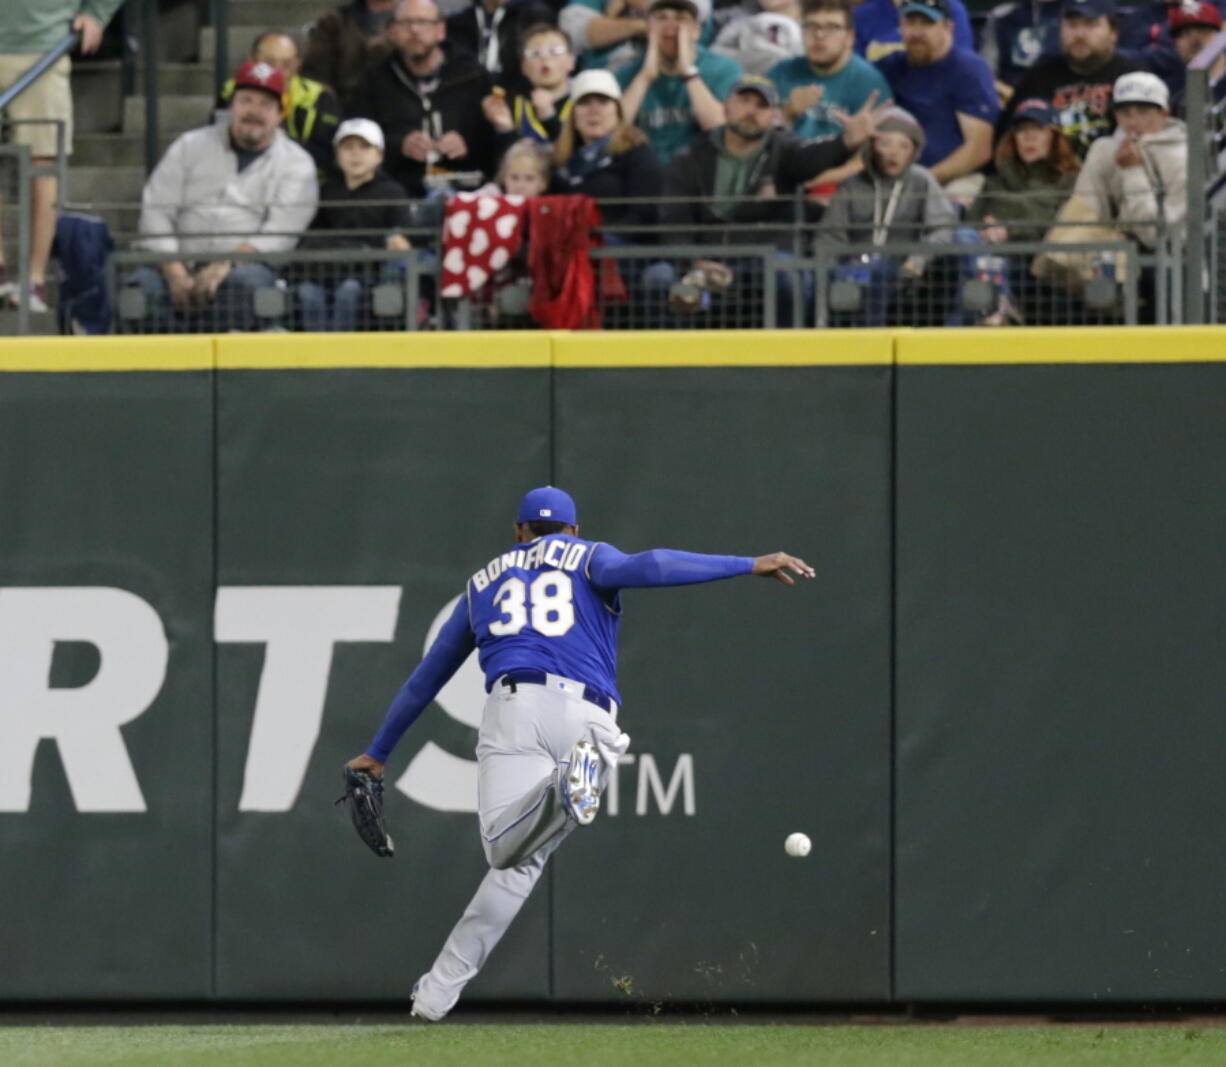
[[18, 168], [1206, 171], [719, 278]]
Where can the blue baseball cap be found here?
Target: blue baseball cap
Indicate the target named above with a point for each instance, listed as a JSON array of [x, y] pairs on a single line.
[[1090, 9], [937, 10], [548, 504], [1034, 109]]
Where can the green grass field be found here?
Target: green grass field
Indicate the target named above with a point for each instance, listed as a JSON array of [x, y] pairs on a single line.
[[674, 1043]]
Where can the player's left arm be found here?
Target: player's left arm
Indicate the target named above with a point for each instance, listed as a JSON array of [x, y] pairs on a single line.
[[448, 652], [611, 569]]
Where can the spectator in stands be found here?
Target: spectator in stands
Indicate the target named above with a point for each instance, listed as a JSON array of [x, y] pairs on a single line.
[[1078, 81], [1148, 24], [429, 106], [605, 34], [738, 173], [601, 154], [760, 36], [489, 32], [829, 77], [27, 32], [362, 197], [1016, 36], [950, 93], [1193, 25], [312, 111], [893, 199], [1140, 171], [878, 30], [241, 187], [678, 87], [345, 43], [1035, 171], [1034, 175], [526, 168], [546, 63]]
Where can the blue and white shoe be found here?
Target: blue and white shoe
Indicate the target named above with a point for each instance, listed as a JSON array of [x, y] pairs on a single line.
[[581, 787]]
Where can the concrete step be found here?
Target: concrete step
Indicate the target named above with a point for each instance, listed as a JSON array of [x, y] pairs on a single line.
[[97, 104], [239, 38], [175, 113], [278, 14], [106, 79], [114, 149], [111, 185]]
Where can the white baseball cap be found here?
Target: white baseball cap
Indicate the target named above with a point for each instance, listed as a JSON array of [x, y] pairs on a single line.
[[364, 128], [595, 82], [1141, 87]]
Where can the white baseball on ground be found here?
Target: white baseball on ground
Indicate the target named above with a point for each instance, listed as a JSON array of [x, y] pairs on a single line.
[[797, 845]]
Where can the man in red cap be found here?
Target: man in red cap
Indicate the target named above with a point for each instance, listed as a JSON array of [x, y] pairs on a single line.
[[240, 186], [1193, 24]]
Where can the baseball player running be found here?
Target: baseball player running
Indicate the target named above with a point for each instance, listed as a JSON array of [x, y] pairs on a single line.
[[543, 618]]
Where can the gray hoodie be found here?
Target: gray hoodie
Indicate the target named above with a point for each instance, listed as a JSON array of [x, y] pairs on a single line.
[[871, 208]]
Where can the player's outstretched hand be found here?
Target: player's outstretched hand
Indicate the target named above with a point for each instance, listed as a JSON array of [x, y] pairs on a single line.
[[367, 763], [782, 566]]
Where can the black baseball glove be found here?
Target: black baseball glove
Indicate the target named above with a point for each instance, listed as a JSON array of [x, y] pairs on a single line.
[[365, 795]]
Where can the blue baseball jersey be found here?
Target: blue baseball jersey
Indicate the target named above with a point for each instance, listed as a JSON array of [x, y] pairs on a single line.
[[549, 605], [535, 608]]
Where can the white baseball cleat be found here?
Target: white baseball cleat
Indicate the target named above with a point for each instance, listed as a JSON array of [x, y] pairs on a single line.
[[420, 1011], [581, 788]]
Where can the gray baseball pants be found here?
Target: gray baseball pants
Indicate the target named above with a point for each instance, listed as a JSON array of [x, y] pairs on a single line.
[[523, 753]]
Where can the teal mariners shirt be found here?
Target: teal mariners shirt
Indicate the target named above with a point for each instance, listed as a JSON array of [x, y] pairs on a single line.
[[845, 90], [665, 115]]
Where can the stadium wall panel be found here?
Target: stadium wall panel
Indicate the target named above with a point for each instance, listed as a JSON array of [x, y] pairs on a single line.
[[106, 585], [1059, 667]]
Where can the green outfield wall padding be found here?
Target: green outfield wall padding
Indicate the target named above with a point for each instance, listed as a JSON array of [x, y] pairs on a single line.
[[106, 588], [1059, 683], [398, 480], [996, 712], [778, 698]]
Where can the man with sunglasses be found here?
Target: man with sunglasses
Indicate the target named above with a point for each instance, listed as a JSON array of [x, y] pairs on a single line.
[[537, 110]]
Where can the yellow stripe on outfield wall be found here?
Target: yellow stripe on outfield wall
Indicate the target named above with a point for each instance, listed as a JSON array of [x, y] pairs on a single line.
[[286, 351], [645, 348], [106, 353], [723, 348], [1071, 344]]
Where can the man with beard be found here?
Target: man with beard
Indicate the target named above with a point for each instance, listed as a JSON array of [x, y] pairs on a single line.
[[312, 111], [744, 172], [950, 93], [678, 87], [829, 76], [241, 186], [429, 106], [1078, 81]]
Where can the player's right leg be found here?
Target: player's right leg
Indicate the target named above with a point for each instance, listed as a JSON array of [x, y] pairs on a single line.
[[544, 757], [518, 797]]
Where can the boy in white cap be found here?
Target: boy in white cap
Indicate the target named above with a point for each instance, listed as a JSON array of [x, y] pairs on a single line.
[[362, 198], [1139, 172]]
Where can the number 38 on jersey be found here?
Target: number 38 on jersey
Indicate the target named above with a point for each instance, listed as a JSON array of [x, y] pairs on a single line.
[[548, 603]]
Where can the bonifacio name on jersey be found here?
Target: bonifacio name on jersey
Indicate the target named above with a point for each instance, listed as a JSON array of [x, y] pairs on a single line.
[[561, 555]]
